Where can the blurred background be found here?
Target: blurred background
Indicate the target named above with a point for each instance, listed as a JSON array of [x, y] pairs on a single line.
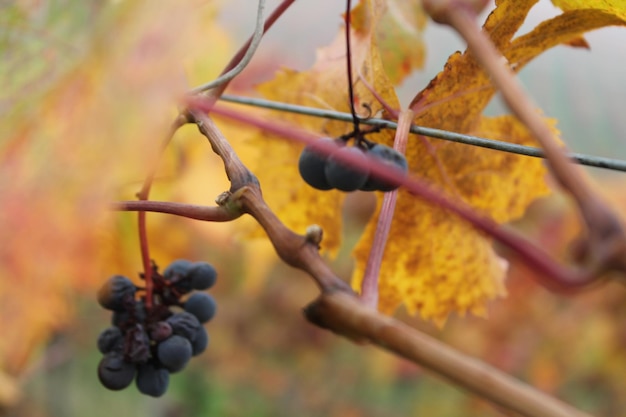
[[264, 359]]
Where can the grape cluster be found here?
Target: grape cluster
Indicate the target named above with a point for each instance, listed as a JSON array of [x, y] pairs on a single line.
[[148, 344], [327, 172]]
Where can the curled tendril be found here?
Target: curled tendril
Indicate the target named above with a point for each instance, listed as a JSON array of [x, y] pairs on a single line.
[[369, 114]]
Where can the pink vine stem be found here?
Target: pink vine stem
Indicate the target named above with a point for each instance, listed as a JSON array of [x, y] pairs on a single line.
[[369, 285], [551, 274]]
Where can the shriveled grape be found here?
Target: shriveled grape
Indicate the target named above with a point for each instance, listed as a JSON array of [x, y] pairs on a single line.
[[115, 292], [184, 324]]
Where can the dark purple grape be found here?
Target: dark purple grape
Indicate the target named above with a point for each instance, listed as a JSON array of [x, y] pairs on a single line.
[[111, 339], [116, 293], [178, 273], [184, 324], [388, 156], [178, 268], [174, 353], [152, 380], [311, 166], [342, 177], [201, 305], [202, 276], [137, 344], [115, 373], [201, 342]]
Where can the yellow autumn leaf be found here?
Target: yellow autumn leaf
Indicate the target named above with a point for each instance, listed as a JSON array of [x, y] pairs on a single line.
[[427, 280], [425, 242], [616, 8], [434, 262], [463, 102], [562, 29], [462, 90]]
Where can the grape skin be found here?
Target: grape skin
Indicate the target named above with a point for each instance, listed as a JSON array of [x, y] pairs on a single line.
[[184, 324], [339, 175], [202, 306], [152, 380], [202, 276], [200, 343], [174, 353], [111, 339], [115, 373], [116, 292], [388, 156], [311, 166], [137, 348], [160, 331], [179, 267], [178, 273]]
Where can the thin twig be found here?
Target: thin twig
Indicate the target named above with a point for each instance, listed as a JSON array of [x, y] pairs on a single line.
[[236, 171], [143, 194], [355, 118], [369, 286], [580, 158], [269, 22], [191, 211], [182, 119], [393, 113], [244, 61]]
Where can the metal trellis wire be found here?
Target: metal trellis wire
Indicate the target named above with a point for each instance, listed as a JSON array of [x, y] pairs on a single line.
[[582, 159]]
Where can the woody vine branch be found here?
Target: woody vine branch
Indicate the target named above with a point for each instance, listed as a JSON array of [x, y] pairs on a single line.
[[337, 308]]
